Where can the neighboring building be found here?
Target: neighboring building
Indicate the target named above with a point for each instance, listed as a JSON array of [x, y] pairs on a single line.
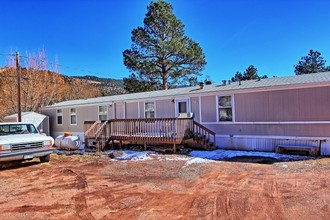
[[38, 120], [247, 115]]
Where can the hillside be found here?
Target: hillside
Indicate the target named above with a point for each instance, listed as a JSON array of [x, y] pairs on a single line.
[[108, 86], [41, 88]]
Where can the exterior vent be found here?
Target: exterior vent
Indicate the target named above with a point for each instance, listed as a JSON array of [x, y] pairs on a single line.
[[186, 115]]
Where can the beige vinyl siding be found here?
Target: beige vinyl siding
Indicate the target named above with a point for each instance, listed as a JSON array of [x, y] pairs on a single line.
[[87, 113], [141, 108], [165, 108], [84, 113], [132, 110], [66, 119], [51, 113], [54, 127], [120, 110], [311, 104], [209, 109], [195, 107], [111, 111]]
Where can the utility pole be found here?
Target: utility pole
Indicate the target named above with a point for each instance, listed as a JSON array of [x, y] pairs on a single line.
[[18, 71]]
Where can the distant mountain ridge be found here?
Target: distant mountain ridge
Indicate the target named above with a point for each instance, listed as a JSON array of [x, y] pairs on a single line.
[[108, 86]]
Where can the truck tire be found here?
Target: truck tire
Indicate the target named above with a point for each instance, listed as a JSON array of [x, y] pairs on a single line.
[[45, 158]]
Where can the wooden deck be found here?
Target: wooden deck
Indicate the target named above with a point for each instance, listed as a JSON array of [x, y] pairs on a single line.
[[171, 131]]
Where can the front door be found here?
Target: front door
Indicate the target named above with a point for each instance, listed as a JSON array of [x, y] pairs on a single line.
[[182, 106]]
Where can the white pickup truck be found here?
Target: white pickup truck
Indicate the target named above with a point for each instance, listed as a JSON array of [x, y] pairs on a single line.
[[22, 141]]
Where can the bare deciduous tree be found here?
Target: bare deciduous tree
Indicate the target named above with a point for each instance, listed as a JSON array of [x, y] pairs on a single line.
[[40, 86]]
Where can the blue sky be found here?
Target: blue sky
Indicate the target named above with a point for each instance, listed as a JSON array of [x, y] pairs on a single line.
[[89, 36]]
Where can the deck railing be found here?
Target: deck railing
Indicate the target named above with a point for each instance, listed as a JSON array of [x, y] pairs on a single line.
[[165, 129], [151, 130], [203, 133], [101, 136], [91, 127]]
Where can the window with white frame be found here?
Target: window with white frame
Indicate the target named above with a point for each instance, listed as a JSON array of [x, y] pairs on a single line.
[[59, 116], [225, 108], [149, 110], [73, 116], [103, 113]]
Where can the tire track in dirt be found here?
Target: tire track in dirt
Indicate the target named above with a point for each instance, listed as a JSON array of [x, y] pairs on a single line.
[[202, 197], [256, 194], [79, 185], [84, 188], [80, 201], [228, 204], [238, 196]]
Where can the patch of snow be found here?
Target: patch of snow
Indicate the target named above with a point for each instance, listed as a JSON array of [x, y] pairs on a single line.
[[177, 157], [193, 157], [227, 154], [134, 155], [197, 160]]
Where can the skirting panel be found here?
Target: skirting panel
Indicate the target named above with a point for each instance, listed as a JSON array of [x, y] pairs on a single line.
[[269, 143]]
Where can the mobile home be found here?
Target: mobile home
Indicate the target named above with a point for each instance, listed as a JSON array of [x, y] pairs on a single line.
[[248, 115]]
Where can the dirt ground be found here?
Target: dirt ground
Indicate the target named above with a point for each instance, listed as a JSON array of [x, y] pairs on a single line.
[[96, 187]]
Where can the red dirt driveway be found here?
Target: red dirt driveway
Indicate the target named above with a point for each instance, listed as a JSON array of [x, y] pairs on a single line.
[[96, 187]]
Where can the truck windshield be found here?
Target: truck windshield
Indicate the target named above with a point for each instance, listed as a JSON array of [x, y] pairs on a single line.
[[7, 129]]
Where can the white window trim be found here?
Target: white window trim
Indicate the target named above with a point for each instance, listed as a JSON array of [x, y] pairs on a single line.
[[57, 114], [176, 100], [144, 108], [98, 111], [232, 109], [70, 114]]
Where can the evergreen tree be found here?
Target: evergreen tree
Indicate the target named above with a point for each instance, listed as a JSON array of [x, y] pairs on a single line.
[[312, 63], [138, 84], [160, 51], [250, 73]]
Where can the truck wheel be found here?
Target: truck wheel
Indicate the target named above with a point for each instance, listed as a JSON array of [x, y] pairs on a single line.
[[44, 159]]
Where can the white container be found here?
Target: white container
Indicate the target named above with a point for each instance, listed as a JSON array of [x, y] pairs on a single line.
[[68, 142]]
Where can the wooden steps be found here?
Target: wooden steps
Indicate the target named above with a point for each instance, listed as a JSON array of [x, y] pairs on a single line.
[[310, 150]]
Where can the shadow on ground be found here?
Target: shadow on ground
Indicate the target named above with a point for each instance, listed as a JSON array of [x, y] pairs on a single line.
[[253, 159], [17, 164]]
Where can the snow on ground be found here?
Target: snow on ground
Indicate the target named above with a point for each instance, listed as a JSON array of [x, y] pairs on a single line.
[[131, 155], [203, 156], [227, 154], [193, 157], [197, 160]]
